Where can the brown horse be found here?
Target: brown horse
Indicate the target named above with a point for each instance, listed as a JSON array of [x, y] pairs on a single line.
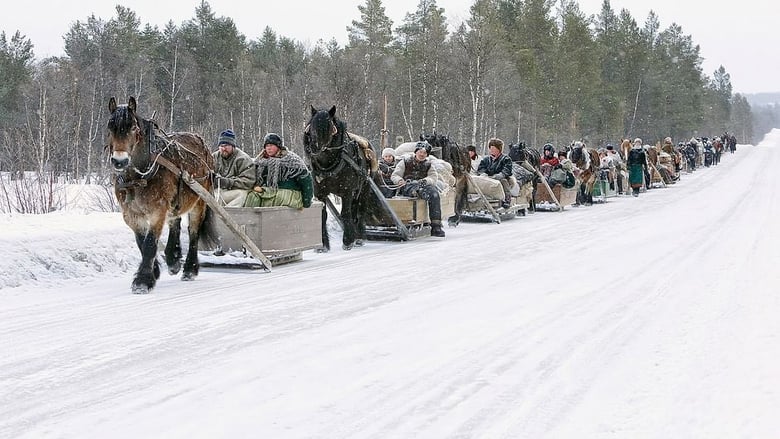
[[149, 187], [458, 158], [587, 160], [625, 147]]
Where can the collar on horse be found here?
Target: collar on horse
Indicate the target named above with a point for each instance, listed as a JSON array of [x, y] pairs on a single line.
[[156, 146], [344, 139]]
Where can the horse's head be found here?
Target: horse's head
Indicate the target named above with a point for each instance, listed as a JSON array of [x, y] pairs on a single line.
[[517, 151], [125, 136], [577, 154], [440, 145], [450, 152], [322, 131]]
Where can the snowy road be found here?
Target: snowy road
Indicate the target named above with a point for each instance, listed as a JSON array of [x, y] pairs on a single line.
[[640, 318]]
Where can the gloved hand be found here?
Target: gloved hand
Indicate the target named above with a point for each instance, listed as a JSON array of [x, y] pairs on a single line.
[[498, 176], [223, 182]]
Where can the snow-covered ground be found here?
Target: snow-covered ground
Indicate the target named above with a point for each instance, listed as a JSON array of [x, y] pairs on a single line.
[[654, 317]]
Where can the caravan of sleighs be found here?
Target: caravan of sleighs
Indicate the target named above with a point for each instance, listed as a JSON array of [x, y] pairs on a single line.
[[391, 193]]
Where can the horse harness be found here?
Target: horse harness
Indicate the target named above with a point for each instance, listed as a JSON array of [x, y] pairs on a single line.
[[156, 146], [325, 172]]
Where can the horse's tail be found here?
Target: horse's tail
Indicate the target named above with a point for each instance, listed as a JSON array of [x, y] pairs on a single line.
[[209, 238]]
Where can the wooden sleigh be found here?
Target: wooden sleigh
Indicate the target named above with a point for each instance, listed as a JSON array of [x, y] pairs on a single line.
[[405, 218], [280, 233], [563, 197]]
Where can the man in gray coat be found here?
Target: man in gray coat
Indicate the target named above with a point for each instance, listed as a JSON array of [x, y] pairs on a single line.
[[234, 171]]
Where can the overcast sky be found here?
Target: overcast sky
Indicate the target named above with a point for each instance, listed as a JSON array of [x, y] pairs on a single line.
[[738, 35]]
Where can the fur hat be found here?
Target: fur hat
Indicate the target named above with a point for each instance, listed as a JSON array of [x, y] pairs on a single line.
[[388, 151], [273, 139], [423, 145], [227, 137], [496, 142], [637, 141]]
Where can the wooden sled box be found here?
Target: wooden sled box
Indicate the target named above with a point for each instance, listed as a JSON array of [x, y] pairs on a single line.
[[566, 197], [277, 231], [415, 210]]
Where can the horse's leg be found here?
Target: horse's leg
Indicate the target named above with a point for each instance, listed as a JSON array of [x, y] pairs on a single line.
[[149, 268], [173, 246], [359, 213], [146, 238], [196, 217], [348, 223], [589, 196], [532, 203], [325, 238], [461, 195]]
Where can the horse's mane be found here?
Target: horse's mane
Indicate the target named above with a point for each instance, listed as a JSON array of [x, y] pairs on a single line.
[[341, 132], [122, 121]]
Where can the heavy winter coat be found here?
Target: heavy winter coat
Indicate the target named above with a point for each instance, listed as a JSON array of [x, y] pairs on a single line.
[[500, 165]]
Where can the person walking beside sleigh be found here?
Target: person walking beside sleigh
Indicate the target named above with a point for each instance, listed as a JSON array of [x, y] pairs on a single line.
[[637, 166]]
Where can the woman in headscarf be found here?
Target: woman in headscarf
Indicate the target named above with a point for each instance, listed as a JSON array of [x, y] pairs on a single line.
[[282, 178]]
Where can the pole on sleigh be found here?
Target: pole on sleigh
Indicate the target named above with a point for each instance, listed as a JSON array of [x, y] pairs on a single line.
[[229, 221], [546, 185]]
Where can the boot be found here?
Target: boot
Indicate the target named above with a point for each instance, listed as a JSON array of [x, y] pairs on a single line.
[[507, 202], [436, 229]]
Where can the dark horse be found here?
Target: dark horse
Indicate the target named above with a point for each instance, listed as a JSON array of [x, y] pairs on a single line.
[[149, 187], [341, 164], [458, 158], [520, 153]]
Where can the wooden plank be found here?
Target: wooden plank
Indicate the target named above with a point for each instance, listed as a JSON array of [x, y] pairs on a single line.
[[229, 222]]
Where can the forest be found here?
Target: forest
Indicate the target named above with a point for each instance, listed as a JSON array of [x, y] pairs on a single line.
[[535, 71]]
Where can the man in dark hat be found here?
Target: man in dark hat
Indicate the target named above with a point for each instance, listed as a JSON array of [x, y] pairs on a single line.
[[282, 177], [498, 166], [234, 170], [415, 177]]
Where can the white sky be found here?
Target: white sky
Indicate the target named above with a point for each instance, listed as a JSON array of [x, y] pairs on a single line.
[[648, 317], [738, 35]]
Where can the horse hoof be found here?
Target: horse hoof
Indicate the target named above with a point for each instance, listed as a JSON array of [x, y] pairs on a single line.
[[323, 250], [359, 243], [188, 276], [346, 247], [141, 289], [174, 269]]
